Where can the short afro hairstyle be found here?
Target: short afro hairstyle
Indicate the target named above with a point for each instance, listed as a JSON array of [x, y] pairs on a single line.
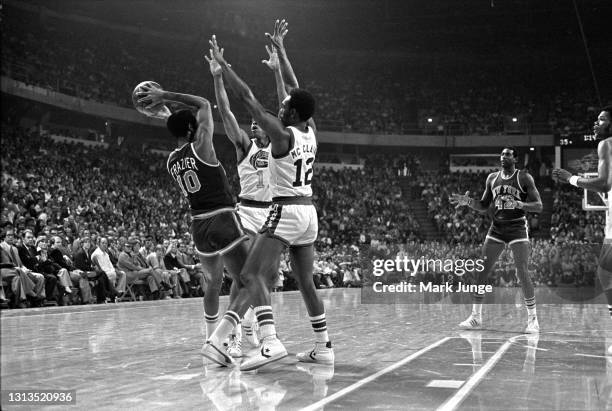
[[303, 102], [515, 151], [178, 123]]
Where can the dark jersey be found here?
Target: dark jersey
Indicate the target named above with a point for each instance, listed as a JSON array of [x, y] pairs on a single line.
[[504, 190], [205, 185]]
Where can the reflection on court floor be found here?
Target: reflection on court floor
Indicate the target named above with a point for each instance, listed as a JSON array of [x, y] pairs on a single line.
[[406, 356]]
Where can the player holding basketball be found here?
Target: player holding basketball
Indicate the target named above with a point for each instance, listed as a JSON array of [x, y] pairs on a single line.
[[600, 184], [512, 193], [217, 234], [292, 222]]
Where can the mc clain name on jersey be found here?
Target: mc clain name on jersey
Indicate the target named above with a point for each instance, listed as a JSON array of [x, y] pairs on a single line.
[[303, 149]]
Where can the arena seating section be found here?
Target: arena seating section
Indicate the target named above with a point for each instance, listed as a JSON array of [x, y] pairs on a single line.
[[122, 193]]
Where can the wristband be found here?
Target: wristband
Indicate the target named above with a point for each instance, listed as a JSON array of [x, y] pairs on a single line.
[[573, 180]]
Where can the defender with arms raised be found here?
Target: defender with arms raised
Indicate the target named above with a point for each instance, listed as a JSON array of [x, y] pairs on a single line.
[[292, 222]]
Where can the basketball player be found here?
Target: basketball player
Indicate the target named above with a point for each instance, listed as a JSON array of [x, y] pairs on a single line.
[[600, 184], [292, 222], [252, 156], [512, 193], [217, 234]]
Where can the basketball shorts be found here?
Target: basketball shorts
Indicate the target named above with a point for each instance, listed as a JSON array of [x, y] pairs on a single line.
[[294, 222], [216, 232], [605, 263], [252, 217], [509, 232]]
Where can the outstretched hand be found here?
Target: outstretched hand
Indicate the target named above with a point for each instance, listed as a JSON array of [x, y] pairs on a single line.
[[460, 200], [280, 31], [215, 67], [561, 175], [272, 62], [215, 52]]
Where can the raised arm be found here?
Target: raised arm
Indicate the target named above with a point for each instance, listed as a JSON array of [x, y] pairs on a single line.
[[273, 127], [203, 137], [277, 39], [289, 78], [274, 65], [237, 136]]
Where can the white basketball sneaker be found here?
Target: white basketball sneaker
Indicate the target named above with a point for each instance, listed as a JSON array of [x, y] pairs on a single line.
[[216, 354], [270, 350], [235, 347], [533, 326], [474, 322], [322, 353]]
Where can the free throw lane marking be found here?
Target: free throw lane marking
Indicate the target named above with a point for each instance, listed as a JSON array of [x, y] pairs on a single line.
[[445, 383], [453, 402], [321, 403]]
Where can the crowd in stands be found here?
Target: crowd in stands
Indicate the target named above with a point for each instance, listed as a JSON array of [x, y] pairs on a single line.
[[98, 220], [396, 100], [569, 222], [364, 205], [86, 201]]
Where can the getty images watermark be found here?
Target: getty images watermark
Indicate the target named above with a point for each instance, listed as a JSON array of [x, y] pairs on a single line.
[[423, 265]]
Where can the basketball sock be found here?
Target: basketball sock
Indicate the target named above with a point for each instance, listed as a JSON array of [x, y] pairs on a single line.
[[237, 331], [249, 316], [248, 330], [477, 305], [265, 319], [228, 323], [531, 306], [211, 323], [319, 326]]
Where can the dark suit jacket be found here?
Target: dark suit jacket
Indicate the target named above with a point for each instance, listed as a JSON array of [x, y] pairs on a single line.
[[57, 257], [82, 260], [28, 256]]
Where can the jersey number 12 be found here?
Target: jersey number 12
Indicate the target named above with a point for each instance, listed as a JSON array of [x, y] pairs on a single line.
[[307, 173]]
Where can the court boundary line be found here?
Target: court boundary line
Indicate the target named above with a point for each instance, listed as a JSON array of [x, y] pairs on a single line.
[[453, 402], [346, 390]]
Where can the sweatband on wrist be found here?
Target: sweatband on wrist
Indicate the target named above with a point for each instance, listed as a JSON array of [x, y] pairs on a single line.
[[573, 180]]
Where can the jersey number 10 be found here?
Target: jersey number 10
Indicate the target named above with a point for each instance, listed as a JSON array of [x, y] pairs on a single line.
[[189, 182], [307, 173]]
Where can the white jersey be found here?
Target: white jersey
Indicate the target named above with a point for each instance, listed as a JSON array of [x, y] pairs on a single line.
[[291, 175], [254, 174]]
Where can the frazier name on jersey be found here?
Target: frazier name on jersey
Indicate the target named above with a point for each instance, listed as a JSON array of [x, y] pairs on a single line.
[[185, 163]]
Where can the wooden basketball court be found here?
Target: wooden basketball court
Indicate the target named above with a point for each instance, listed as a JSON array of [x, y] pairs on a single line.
[[145, 356]]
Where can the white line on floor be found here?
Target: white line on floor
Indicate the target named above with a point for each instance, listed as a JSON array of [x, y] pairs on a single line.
[[453, 402], [321, 403]]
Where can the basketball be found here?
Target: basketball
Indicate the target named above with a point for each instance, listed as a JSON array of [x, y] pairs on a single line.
[[158, 111]]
